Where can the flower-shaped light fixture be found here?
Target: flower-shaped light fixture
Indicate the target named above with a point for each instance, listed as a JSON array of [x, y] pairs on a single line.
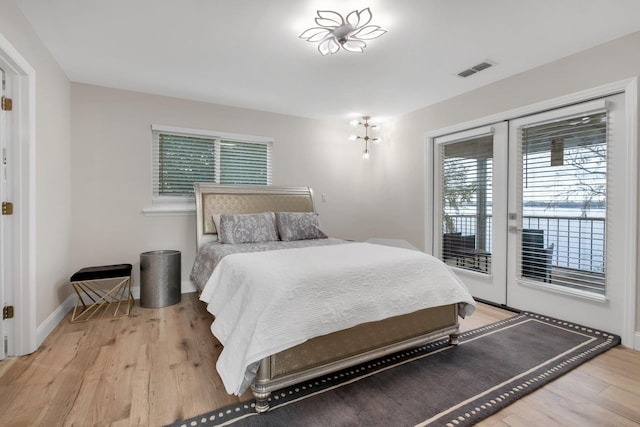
[[335, 31], [366, 137]]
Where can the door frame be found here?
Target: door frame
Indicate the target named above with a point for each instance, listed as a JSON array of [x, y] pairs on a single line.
[[23, 143], [629, 87]]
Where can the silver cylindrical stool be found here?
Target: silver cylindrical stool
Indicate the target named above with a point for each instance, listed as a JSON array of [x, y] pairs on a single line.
[[159, 278]]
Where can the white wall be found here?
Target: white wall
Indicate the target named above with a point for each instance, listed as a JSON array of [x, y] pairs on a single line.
[[53, 185], [112, 178]]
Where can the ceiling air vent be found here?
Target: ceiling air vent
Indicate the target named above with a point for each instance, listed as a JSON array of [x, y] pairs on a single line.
[[475, 69]]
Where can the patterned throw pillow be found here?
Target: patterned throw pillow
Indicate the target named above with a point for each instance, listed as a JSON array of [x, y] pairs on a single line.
[[247, 228], [299, 226]]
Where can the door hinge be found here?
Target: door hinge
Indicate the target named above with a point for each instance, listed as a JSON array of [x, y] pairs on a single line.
[[7, 312], [7, 103], [7, 208]]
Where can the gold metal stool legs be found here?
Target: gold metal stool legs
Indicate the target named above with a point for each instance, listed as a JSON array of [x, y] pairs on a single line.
[[98, 296]]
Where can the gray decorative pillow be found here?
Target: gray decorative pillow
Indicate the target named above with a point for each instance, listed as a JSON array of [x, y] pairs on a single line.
[[247, 228], [299, 226]]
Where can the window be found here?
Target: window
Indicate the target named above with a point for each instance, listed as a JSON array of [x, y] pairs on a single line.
[[183, 160], [467, 177], [564, 201], [182, 157]]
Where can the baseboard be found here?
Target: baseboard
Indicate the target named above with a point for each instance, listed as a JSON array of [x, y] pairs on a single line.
[[186, 287], [636, 344], [54, 319]]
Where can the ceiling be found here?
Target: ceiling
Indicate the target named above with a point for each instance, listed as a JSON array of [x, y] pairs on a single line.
[[247, 53]]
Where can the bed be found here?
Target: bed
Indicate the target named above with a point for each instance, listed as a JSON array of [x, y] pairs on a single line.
[[271, 340]]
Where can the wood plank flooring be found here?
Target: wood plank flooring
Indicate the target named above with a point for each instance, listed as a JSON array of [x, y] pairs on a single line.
[[158, 366]]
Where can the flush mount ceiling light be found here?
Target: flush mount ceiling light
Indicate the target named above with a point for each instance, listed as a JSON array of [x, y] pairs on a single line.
[[334, 31]]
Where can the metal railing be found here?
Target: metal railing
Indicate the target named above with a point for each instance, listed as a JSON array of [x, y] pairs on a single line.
[[579, 243]]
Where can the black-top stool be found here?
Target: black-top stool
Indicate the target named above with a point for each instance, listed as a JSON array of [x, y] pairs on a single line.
[[100, 287]]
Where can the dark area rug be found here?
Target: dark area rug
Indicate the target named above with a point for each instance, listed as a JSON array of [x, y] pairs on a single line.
[[435, 384]]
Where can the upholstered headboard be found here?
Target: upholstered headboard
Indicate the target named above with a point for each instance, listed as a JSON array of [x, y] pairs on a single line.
[[242, 199]]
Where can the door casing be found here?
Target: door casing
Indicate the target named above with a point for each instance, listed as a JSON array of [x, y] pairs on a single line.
[[22, 78]]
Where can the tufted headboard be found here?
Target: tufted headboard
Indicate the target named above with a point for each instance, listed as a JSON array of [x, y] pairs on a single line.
[[242, 199]]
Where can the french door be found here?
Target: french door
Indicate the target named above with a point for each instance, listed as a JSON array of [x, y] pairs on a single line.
[[568, 213], [537, 213], [470, 229]]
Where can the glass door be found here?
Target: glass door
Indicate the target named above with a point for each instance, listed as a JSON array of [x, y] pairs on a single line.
[[567, 210], [470, 208]]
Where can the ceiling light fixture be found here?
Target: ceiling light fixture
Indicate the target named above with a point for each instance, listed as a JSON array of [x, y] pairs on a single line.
[[334, 31], [366, 137]]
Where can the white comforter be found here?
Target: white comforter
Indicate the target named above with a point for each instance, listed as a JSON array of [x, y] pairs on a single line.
[[266, 302]]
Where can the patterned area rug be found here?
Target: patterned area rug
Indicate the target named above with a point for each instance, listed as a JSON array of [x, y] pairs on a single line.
[[435, 384]]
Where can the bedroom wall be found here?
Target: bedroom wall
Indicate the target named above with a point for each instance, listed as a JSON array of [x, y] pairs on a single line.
[[111, 175], [52, 180], [403, 161]]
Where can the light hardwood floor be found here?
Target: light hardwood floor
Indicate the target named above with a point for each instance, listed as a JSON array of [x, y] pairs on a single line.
[[157, 366]]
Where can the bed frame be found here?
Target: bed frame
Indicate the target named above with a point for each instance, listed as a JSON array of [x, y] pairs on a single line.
[[331, 352]]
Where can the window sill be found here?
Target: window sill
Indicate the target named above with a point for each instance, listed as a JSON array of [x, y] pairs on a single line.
[[170, 210]]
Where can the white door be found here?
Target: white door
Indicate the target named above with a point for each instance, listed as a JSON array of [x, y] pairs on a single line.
[[571, 214], [470, 227], [5, 222]]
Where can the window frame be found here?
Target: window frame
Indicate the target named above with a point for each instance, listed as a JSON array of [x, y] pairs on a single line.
[[185, 205]]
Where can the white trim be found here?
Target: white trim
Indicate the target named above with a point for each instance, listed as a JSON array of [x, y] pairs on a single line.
[[215, 134], [561, 101], [467, 134], [630, 88], [171, 210], [429, 190], [637, 341], [54, 319], [631, 243], [186, 286], [566, 113], [24, 334]]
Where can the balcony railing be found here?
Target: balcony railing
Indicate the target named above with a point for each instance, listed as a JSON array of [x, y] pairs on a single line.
[[579, 243]]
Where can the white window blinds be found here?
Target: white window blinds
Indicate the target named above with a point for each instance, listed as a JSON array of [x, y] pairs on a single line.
[[466, 186], [244, 163], [183, 160], [564, 182], [182, 157]]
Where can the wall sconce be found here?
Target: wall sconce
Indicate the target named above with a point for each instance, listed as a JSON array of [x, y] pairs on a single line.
[[366, 137]]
